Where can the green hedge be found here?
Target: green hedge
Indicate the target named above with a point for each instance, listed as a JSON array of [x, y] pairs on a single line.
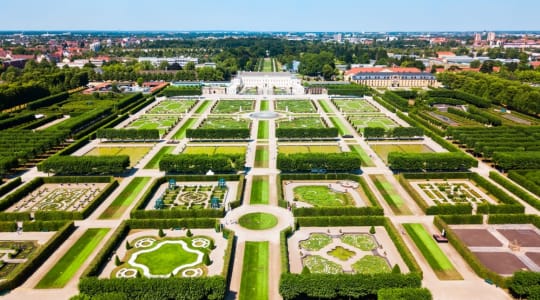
[[342, 286], [404, 294], [306, 133], [402, 248], [468, 255], [85, 165], [330, 221], [338, 211], [172, 223], [525, 284], [128, 134], [517, 160], [525, 182], [446, 161], [15, 196], [284, 248], [306, 162], [514, 219], [218, 133], [228, 257], [213, 287], [47, 101], [173, 214], [201, 163], [460, 95], [22, 272], [10, 185]]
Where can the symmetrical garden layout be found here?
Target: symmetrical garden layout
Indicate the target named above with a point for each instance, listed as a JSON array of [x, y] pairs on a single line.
[[293, 203]]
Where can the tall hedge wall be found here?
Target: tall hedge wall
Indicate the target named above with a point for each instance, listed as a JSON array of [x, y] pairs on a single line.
[[448, 161], [85, 165], [201, 163], [306, 162]]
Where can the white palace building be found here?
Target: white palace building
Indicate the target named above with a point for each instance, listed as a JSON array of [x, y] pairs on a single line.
[[264, 83]]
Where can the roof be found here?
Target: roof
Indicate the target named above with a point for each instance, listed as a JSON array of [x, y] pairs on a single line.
[[445, 53], [382, 70], [386, 75], [535, 64]]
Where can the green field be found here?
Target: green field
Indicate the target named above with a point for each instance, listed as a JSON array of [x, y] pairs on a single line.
[[371, 264], [354, 106], [390, 195], [382, 150], [154, 162], [372, 120], [341, 128], [126, 197], [261, 157], [254, 284], [233, 106], [204, 106], [366, 160], [295, 106], [228, 123], [135, 153], [265, 105], [301, 123], [322, 196], [62, 272], [259, 190], [181, 133], [316, 242], [172, 107], [211, 150], [160, 122], [263, 130], [325, 106], [258, 221], [341, 253], [435, 257], [165, 259], [363, 242], [288, 149], [320, 265]]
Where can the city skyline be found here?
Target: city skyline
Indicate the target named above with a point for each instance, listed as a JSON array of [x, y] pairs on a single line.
[[280, 15]]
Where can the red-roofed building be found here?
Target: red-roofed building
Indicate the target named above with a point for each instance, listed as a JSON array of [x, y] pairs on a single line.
[[391, 77], [445, 54], [535, 64], [354, 71]]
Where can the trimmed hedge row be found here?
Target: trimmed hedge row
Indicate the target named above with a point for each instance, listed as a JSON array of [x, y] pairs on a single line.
[[524, 181], [330, 221], [525, 284], [85, 165], [404, 294], [218, 133], [10, 199], [10, 185], [128, 134], [306, 133], [510, 206], [402, 248], [213, 287], [446, 161], [468, 255], [434, 133], [396, 101], [284, 248], [517, 160], [514, 189], [306, 162], [17, 120], [460, 95], [25, 270], [172, 223], [201, 163], [337, 211], [342, 286], [48, 101], [228, 257], [385, 104]]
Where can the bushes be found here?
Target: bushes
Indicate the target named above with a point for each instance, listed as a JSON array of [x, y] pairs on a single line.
[[430, 161], [128, 134], [182, 91], [396, 101], [338, 211], [48, 101], [460, 95], [330, 286], [374, 132], [306, 133], [404, 294], [449, 209], [525, 284], [35, 261], [507, 184], [213, 287], [85, 165], [527, 179], [201, 163], [306, 162], [218, 133], [10, 185], [284, 248], [172, 223], [173, 214], [329, 221]]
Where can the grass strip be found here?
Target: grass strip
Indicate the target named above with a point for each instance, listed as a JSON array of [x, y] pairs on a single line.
[[62, 272], [366, 160], [435, 257], [254, 283], [261, 157], [259, 190], [390, 195], [154, 162], [203, 107], [325, 106], [181, 133], [265, 105], [126, 197], [262, 130]]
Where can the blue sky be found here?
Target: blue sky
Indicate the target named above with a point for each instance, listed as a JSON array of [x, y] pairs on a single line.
[[271, 15]]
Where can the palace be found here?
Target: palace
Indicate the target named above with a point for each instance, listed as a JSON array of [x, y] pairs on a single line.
[[391, 77]]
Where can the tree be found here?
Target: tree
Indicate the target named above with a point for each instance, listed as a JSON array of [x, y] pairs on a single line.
[[396, 269], [206, 259], [140, 81], [164, 65], [475, 63], [305, 270], [487, 67], [190, 66], [327, 72]]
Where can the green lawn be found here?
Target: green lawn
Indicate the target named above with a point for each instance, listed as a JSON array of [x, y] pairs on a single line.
[[228, 123], [254, 284], [382, 150], [165, 259], [263, 130], [325, 106], [341, 253], [204, 106], [211, 150], [370, 264], [233, 106], [160, 122], [316, 241], [261, 157], [337, 123], [258, 221], [295, 106], [268, 65], [259, 190], [181, 133], [265, 105], [154, 162], [363, 242], [355, 106], [126, 197], [320, 265], [322, 196], [302, 123], [172, 107], [135, 153], [62, 272], [366, 160], [435, 257], [390, 194]]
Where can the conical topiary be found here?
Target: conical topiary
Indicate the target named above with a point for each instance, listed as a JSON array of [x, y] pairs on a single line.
[[372, 230], [305, 270], [117, 260], [128, 245], [396, 269], [161, 233], [188, 233]]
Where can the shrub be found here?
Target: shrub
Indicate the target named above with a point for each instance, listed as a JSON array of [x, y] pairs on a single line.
[[404, 294], [85, 165], [372, 230]]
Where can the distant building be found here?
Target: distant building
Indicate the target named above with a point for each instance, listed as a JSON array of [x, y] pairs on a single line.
[[181, 60], [391, 77], [96, 46]]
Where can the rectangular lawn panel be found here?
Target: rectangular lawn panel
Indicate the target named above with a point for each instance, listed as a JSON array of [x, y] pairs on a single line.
[[390, 195], [435, 257], [301, 123], [265, 105], [224, 123], [126, 197], [295, 106], [211, 150], [254, 283], [154, 162], [135, 153], [181, 133], [203, 107], [382, 150], [261, 157], [325, 106], [172, 107], [354, 106], [233, 106], [263, 130], [259, 190], [366, 160], [337, 123], [62, 272], [163, 123]]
